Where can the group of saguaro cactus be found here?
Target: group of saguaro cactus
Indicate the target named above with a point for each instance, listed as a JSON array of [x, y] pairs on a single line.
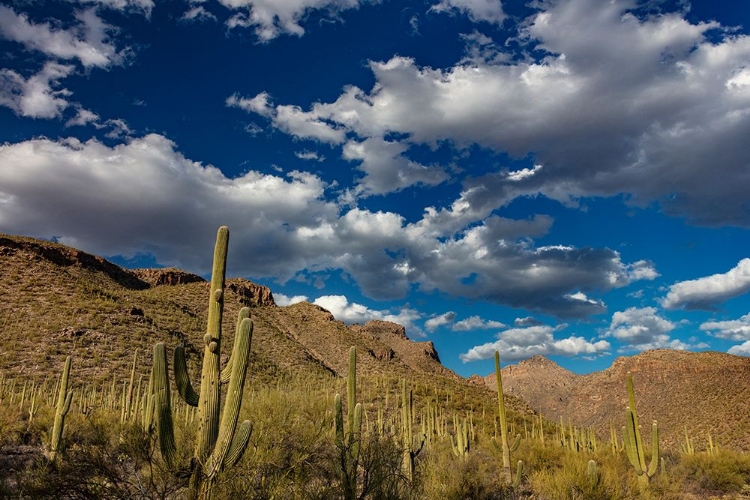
[[348, 440], [634, 446], [504, 447], [220, 441]]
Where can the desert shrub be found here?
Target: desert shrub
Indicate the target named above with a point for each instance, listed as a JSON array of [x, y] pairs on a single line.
[[476, 477], [726, 471]]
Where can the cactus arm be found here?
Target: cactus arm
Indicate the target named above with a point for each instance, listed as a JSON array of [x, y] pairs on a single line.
[[239, 444], [227, 371], [630, 441], [654, 464], [182, 379], [351, 388], [162, 405], [338, 421], [233, 401], [64, 399], [636, 424], [519, 474], [516, 443]]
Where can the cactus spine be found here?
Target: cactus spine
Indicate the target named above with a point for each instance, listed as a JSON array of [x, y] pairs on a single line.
[[634, 445], [220, 442], [503, 446], [64, 397], [348, 442]]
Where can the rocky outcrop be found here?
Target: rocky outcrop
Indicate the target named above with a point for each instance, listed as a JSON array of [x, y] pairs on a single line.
[[249, 293], [381, 329], [168, 276]]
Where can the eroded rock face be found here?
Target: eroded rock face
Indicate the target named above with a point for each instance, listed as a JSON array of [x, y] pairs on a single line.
[[169, 276], [251, 294], [379, 328]]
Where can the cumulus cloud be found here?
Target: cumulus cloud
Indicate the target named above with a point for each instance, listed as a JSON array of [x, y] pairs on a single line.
[[476, 323], [89, 41], [622, 102], [285, 300], [737, 329], [271, 18], [144, 196], [39, 96], [386, 167], [641, 329], [352, 312], [708, 292], [490, 11], [516, 344], [436, 322], [740, 350]]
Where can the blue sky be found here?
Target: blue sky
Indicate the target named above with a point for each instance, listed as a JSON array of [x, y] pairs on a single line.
[[567, 177]]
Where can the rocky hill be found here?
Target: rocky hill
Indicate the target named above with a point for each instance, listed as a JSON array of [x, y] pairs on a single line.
[[703, 391], [59, 301]]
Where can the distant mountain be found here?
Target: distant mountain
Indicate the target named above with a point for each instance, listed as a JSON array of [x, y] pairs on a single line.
[[705, 391]]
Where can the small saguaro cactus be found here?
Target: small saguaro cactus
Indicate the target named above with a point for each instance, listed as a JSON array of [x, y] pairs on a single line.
[[348, 441], [505, 448], [633, 445], [64, 397], [409, 451], [220, 441]]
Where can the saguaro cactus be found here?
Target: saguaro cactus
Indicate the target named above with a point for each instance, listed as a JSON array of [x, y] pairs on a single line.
[[64, 397], [503, 446], [348, 441], [634, 445], [220, 442], [410, 453]]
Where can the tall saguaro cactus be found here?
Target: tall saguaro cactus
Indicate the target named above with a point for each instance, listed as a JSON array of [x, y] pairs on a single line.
[[503, 446], [633, 443], [220, 442], [348, 441], [64, 397]]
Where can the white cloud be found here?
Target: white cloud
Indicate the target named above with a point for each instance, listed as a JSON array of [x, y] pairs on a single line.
[[521, 343], [284, 300], [352, 312], [309, 155], [198, 13], [740, 350], [82, 118], [738, 329], [643, 329], [476, 323], [490, 11], [35, 97], [271, 18], [620, 104], [707, 292], [436, 322], [144, 196], [386, 167], [142, 6], [527, 321], [89, 41]]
